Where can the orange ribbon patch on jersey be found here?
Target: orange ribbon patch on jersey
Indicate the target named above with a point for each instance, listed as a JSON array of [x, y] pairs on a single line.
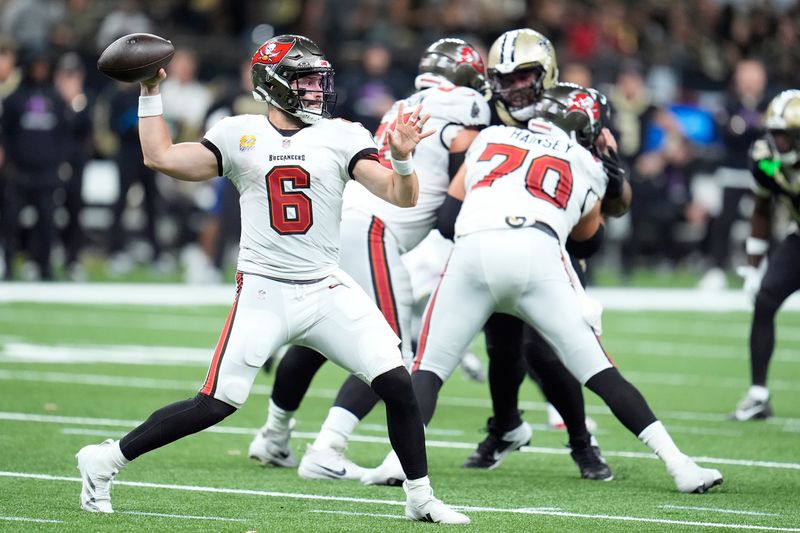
[[247, 142]]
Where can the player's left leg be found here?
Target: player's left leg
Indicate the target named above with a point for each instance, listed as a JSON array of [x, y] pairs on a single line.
[[562, 325], [352, 333], [370, 253], [780, 281]]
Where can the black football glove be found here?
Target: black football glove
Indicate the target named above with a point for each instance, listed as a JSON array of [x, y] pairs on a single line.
[[616, 174]]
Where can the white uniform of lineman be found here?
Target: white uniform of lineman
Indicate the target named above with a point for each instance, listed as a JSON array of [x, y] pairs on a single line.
[[376, 233], [525, 192], [290, 287]]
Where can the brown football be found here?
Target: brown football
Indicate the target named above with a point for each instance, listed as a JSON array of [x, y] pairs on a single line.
[[135, 57]]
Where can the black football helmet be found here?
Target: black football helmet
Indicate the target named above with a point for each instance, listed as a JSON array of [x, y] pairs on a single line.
[[455, 60], [277, 66], [577, 110]]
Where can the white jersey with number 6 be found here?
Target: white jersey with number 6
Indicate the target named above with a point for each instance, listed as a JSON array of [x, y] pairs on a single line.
[[516, 177], [291, 185]]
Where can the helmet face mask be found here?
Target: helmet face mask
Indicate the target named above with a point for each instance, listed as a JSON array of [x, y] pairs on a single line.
[[291, 73], [782, 121], [519, 90], [457, 61], [514, 53]]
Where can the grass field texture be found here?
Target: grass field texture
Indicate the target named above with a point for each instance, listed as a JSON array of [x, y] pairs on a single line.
[[76, 374]]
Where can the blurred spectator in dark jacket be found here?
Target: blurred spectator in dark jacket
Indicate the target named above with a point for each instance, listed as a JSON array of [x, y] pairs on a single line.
[[739, 124], [69, 82], [657, 167], [34, 129], [370, 90]]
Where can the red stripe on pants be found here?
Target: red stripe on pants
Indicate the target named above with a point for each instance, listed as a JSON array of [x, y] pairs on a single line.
[[381, 279], [213, 371], [423, 335]]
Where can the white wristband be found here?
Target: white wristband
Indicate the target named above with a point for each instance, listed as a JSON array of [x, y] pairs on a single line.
[[756, 246], [404, 167], [150, 106]]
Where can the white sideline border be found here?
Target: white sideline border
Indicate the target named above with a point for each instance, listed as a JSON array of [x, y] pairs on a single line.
[[465, 508], [618, 299]]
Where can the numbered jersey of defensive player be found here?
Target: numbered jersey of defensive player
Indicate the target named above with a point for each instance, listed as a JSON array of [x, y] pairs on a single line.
[[774, 179], [291, 187], [451, 109], [516, 177]]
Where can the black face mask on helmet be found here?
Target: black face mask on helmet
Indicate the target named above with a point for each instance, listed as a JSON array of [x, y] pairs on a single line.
[[279, 64]]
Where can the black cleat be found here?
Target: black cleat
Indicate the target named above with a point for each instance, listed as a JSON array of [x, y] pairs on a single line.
[[590, 461], [491, 452]]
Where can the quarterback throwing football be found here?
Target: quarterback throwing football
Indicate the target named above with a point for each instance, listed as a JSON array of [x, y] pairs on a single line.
[[290, 168]]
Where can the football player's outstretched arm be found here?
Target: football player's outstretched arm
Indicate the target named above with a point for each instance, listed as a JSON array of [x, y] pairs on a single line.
[[189, 161], [398, 186], [588, 225]]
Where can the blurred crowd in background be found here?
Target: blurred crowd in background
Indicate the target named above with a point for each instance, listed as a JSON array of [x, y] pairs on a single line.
[[688, 81]]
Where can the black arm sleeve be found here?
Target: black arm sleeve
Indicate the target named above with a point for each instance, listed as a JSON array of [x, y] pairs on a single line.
[[446, 217], [454, 162], [587, 248]]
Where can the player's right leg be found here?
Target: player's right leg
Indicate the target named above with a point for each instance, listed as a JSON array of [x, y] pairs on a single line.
[[352, 333], [241, 350], [780, 281]]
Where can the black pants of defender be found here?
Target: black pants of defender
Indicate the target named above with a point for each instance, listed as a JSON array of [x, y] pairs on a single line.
[[780, 281]]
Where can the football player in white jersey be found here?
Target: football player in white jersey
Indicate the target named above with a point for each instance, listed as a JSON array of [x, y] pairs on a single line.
[[291, 168], [374, 235], [524, 192]]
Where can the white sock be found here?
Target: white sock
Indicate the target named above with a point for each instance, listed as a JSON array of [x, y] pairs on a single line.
[[277, 418], [759, 392], [655, 436], [422, 483], [115, 454], [336, 430]]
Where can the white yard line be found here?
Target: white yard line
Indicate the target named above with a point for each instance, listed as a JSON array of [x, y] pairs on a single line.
[[351, 513], [690, 350], [184, 516], [67, 420], [27, 519], [788, 424], [714, 510], [465, 508]]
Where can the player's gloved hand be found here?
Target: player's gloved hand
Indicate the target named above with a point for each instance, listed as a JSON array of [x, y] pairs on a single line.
[[615, 172], [752, 278]]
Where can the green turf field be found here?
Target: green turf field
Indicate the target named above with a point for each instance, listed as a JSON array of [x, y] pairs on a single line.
[[73, 375]]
